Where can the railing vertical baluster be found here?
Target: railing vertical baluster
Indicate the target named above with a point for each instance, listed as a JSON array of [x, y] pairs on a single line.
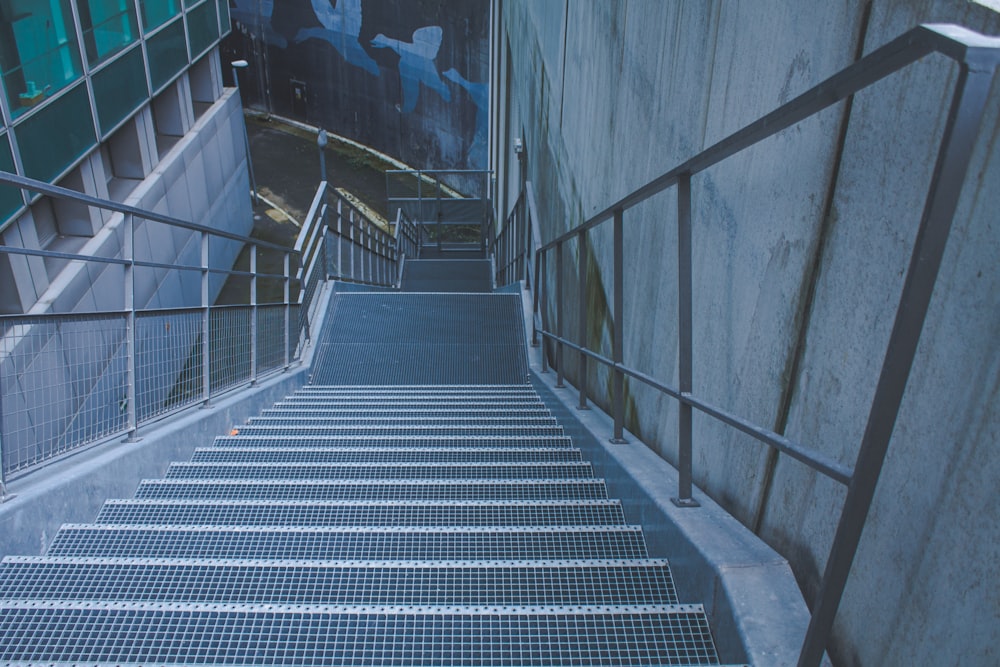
[[535, 295], [581, 334], [542, 305], [618, 344], [206, 365], [560, 369], [253, 315], [340, 239], [353, 251], [288, 307], [684, 342], [957, 141], [129, 256]]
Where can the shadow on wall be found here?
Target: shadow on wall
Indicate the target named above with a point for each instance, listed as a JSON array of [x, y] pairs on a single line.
[[404, 79]]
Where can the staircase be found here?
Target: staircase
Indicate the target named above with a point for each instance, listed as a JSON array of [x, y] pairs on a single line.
[[417, 504]]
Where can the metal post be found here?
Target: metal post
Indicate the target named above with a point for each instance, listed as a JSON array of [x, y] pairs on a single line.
[[253, 315], [321, 142], [238, 65], [288, 307], [684, 341], [340, 238], [129, 255], [618, 347], [206, 366], [560, 369], [543, 306], [971, 91], [350, 222], [535, 294], [581, 251]]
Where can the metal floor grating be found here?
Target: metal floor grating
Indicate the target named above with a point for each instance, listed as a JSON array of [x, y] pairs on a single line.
[[514, 412], [242, 439], [382, 430], [400, 338], [506, 489], [409, 420], [190, 634], [366, 513], [353, 471], [509, 583], [384, 455], [492, 543]]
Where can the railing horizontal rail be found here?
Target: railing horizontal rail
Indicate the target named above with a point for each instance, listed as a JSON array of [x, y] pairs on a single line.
[[902, 51], [65, 193]]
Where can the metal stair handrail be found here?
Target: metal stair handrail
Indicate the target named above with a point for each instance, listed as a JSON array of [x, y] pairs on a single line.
[[521, 255], [216, 374]]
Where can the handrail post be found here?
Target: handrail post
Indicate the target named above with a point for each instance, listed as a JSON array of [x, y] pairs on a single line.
[[958, 138], [340, 239], [560, 370], [253, 315], [350, 225], [288, 307], [618, 344], [130, 381], [581, 248], [206, 366], [684, 342], [535, 295], [543, 306]]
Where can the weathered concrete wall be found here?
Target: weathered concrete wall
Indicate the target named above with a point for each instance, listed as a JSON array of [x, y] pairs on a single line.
[[800, 245], [409, 78]]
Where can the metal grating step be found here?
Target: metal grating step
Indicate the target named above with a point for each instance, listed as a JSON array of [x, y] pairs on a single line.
[[386, 338], [144, 633], [403, 430], [332, 471], [472, 583], [504, 489], [356, 514], [437, 543], [416, 414], [409, 421], [384, 455], [382, 403], [242, 439], [462, 389]]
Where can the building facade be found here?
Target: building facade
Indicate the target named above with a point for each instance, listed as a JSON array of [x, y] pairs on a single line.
[[122, 100]]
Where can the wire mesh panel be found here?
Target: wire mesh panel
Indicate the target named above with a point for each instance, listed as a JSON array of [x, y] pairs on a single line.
[[229, 346], [62, 385], [168, 361], [270, 337]]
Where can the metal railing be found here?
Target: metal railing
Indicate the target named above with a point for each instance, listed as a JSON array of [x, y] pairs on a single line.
[[439, 200], [520, 255], [356, 248], [72, 379]]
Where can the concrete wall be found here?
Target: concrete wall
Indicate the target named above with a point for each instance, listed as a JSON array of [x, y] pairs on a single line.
[[407, 77], [800, 245]]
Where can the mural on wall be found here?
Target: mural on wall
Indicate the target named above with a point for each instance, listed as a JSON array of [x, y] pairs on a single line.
[[407, 77]]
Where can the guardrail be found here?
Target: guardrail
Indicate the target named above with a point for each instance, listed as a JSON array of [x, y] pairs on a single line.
[[521, 255], [439, 199], [70, 380]]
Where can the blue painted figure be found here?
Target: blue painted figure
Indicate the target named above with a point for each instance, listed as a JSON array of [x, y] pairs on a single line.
[[341, 27], [416, 64], [477, 154]]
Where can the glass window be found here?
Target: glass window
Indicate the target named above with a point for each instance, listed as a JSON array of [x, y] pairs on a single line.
[[224, 26], [57, 135], [167, 52], [157, 12], [38, 50], [119, 89], [108, 27], [203, 28]]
